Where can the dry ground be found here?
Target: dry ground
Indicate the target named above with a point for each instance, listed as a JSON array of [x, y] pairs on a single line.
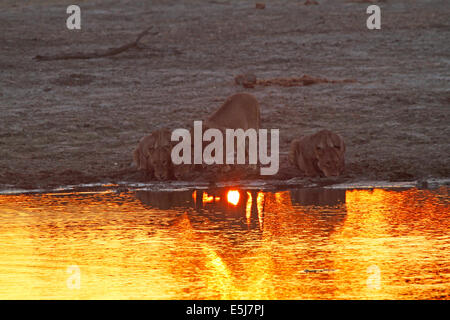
[[65, 122]]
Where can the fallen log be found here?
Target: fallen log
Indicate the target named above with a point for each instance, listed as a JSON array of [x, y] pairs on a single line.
[[305, 80], [249, 80], [97, 54]]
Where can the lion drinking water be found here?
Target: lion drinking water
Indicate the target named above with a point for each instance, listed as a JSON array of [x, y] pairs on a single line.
[[152, 155], [321, 153]]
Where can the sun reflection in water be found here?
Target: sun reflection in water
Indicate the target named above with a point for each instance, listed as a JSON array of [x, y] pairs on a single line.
[[233, 197]]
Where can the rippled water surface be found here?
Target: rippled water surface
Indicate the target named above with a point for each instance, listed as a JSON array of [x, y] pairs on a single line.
[[226, 244]]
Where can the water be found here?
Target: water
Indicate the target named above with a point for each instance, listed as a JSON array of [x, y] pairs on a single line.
[[217, 244]]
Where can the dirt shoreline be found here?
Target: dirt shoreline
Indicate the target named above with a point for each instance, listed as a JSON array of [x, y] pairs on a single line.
[[77, 121]]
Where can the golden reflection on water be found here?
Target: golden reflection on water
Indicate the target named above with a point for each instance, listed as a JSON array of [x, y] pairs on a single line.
[[233, 197], [297, 244]]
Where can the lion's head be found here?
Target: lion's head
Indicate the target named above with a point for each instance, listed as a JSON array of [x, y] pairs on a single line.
[[161, 163], [319, 154], [329, 150], [153, 154]]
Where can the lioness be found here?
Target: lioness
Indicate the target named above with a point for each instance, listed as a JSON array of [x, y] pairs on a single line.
[[321, 153], [153, 154], [240, 110]]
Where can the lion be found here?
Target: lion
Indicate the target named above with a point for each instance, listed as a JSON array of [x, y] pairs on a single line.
[[321, 153], [240, 110], [153, 155]]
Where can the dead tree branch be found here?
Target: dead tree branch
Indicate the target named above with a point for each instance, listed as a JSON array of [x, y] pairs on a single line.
[[97, 54]]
